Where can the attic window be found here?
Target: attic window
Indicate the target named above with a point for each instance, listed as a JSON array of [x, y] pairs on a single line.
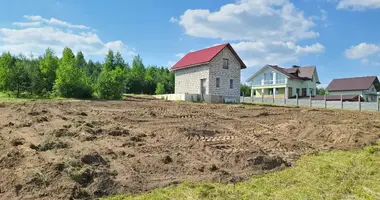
[[225, 63]]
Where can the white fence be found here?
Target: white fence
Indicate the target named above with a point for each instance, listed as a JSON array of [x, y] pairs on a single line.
[[370, 106]]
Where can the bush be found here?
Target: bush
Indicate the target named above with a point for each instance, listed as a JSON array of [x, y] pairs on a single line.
[[160, 89], [110, 84]]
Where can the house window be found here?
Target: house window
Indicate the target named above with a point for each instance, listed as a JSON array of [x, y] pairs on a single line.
[[217, 82], [280, 78], [298, 91], [268, 78], [225, 63], [231, 83]]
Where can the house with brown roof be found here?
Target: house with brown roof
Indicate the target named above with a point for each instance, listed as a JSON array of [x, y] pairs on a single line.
[[212, 73], [272, 81], [367, 87]]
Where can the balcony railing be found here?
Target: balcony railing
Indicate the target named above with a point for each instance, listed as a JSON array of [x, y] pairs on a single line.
[[269, 82]]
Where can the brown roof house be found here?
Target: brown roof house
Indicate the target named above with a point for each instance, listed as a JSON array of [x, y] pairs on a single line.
[[273, 81], [367, 87]]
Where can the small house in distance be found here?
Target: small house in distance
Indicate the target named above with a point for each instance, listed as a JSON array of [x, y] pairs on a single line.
[[272, 81], [211, 74], [367, 87]]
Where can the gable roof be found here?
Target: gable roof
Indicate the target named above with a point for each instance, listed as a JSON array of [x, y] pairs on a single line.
[[300, 73], [204, 56], [306, 72], [352, 84]]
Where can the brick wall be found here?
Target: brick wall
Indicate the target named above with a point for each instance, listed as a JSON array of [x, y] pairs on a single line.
[[188, 80], [217, 71]]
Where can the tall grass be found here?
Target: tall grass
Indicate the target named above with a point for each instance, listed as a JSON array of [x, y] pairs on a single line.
[[353, 174]]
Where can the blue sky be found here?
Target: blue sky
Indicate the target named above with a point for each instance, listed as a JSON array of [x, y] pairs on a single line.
[[340, 37]]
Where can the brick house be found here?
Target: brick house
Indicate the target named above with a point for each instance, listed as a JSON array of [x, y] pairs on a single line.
[[213, 74]]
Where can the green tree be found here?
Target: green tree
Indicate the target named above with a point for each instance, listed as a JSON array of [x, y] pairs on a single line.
[[160, 89], [322, 91], [80, 62], [111, 84], [137, 76], [37, 86], [119, 61], [245, 90], [48, 67], [109, 62], [71, 81], [13, 75], [7, 63]]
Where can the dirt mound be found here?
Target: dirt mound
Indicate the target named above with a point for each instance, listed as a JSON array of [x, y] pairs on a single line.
[[91, 149]]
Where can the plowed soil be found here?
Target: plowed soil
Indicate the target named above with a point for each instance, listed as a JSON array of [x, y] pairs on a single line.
[[89, 149]]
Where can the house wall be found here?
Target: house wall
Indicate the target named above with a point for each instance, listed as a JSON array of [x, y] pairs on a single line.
[[293, 83], [188, 80], [217, 71], [363, 93]]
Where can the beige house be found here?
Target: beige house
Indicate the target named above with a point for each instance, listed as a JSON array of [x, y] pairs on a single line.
[[212, 74], [272, 81]]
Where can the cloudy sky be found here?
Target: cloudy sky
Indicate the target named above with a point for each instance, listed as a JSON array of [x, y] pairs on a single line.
[[340, 37]]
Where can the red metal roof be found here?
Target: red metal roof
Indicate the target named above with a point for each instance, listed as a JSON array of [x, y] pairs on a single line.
[[352, 84], [203, 56]]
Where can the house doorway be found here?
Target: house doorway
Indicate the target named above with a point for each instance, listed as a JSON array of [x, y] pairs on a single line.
[[304, 92], [203, 88]]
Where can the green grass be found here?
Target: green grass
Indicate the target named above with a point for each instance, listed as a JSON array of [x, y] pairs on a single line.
[[7, 98], [351, 174]]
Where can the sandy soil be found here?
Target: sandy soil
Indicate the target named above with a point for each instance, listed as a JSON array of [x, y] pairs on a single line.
[[90, 149]]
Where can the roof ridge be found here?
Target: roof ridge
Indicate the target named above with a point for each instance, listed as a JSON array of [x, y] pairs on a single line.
[[355, 77], [225, 44]]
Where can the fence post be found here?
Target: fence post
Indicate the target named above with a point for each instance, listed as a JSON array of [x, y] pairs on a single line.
[[360, 104], [341, 101], [325, 102], [284, 100], [273, 98], [297, 98], [377, 100], [262, 97], [310, 101]]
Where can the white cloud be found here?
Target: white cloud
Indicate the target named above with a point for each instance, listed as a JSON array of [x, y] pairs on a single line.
[[366, 53], [250, 20], [362, 50], [36, 40], [358, 4], [33, 17], [180, 55], [257, 54], [261, 31], [173, 20], [27, 24], [54, 21]]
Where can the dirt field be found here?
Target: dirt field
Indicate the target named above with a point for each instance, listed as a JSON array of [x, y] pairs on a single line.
[[89, 149]]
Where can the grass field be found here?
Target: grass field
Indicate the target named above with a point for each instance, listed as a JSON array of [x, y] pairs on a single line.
[[351, 174]]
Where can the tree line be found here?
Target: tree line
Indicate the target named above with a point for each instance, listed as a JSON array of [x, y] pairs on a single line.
[[71, 76]]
